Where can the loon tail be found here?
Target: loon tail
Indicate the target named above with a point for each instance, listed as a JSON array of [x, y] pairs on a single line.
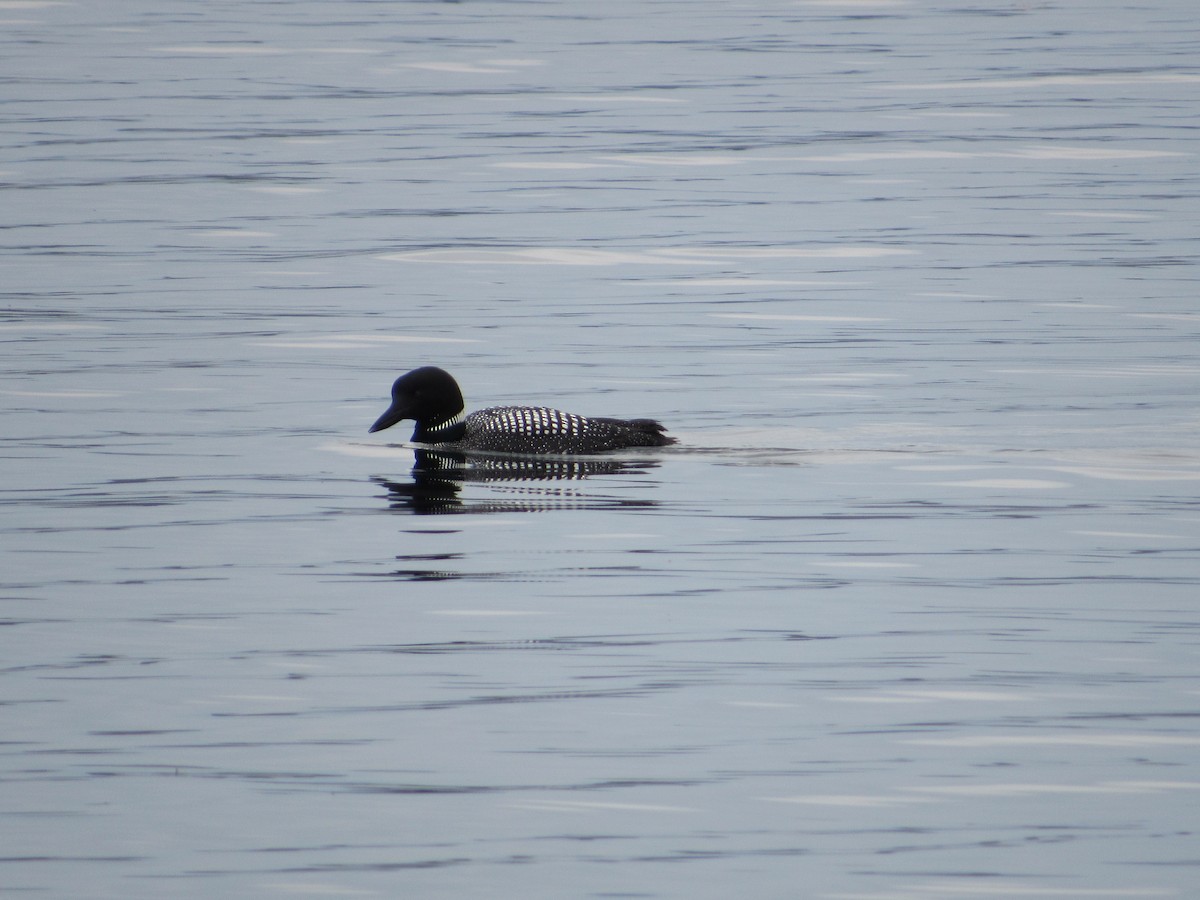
[[649, 433]]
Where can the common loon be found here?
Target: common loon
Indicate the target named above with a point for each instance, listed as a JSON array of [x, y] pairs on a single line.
[[432, 398]]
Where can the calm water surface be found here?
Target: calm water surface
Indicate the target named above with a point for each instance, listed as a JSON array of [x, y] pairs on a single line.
[[911, 611]]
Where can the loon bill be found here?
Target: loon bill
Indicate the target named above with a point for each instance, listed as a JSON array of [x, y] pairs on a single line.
[[431, 397]]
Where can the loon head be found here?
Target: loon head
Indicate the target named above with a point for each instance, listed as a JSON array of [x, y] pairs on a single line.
[[428, 395]]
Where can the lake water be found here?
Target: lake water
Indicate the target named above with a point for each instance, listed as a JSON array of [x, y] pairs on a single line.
[[913, 609]]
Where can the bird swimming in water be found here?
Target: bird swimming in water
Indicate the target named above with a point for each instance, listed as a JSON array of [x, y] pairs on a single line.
[[431, 397]]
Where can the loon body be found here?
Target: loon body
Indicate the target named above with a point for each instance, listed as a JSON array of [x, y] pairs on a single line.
[[432, 398]]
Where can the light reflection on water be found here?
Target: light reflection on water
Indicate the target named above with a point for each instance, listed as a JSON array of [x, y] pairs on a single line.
[[909, 613]]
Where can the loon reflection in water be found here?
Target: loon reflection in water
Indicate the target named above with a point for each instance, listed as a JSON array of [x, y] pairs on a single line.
[[438, 477]]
